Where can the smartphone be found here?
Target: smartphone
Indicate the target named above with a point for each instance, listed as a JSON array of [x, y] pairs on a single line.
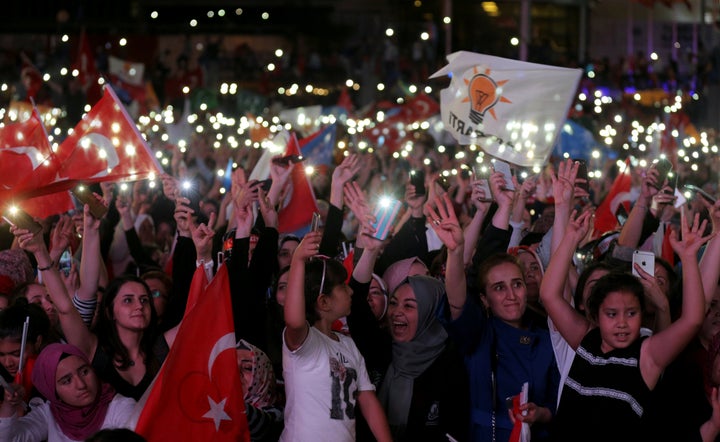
[[621, 215], [266, 184], [695, 190], [504, 168], [187, 190], [646, 261], [85, 196], [482, 173], [21, 219], [288, 159], [417, 179], [315, 223], [444, 182], [65, 262], [386, 210], [663, 166], [582, 174]]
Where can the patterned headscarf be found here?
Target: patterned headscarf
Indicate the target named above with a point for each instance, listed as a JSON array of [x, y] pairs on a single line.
[[261, 391]]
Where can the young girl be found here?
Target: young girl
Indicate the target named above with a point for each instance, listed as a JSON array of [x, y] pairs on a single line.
[[325, 375], [615, 369], [78, 404]]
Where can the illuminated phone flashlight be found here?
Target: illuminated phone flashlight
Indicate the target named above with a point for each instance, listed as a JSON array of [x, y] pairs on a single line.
[[186, 185], [13, 210], [384, 201], [123, 187], [309, 170], [81, 188]]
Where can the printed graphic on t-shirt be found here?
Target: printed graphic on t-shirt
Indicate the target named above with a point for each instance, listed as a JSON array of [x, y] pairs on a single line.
[[344, 387]]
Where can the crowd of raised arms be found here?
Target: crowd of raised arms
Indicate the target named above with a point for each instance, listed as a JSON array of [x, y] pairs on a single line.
[[487, 314]]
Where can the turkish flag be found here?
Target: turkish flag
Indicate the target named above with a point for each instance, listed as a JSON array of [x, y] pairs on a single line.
[[419, 108], [299, 204], [106, 146], [605, 219], [26, 159], [85, 61], [198, 393], [27, 164]]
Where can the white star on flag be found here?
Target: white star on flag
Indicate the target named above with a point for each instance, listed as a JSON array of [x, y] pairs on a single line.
[[217, 412]]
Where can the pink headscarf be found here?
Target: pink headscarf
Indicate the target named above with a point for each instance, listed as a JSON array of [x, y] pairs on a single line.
[[76, 423], [398, 272]]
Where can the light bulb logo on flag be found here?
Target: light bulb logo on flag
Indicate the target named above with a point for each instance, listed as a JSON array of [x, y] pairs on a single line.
[[484, 94]]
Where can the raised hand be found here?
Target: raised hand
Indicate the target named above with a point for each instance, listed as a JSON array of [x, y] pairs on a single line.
[[267, 210], [445, 222], [169, 186], [692, 236], [28, 241], [502, 195], [183, 215], [578, 225], [202, 237], [357, 202], [308, 247], [349, 167], [563, 185], [62, 234]]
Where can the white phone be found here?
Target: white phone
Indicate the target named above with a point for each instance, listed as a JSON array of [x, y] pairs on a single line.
[[646, 261], [502, 166]]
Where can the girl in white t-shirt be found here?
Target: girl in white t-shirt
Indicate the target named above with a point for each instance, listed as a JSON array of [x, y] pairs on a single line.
[[325, 375]]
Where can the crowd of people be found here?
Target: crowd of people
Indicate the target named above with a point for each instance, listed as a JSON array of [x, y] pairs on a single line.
[[489, 313], [473, 320]]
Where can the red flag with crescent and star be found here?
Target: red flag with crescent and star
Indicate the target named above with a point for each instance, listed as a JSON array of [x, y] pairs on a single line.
[[300, 203], [619, 193], [27, 163], [107, 146], [198, 393]]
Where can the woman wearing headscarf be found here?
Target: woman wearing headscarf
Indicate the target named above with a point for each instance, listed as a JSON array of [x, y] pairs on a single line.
[[77, 403], [425, 389], [263, 403]]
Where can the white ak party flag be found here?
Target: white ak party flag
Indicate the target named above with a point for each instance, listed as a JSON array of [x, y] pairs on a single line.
[[512, 109]]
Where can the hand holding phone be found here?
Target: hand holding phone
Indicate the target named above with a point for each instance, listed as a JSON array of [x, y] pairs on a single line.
[[315, 223], [695, 190], [646, 261], [386, 210], [21, 219], [582, 174], [504, 168], [287, 159], [85, 196], [663, 166], [482, 174], [417, 179]]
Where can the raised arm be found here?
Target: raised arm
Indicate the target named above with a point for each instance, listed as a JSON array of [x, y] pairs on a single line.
[[446, 226], [632, 229], [91, 262], [661, 348], [482, 203], [73, 327], [297, 327], [709, 268], [572, 325]]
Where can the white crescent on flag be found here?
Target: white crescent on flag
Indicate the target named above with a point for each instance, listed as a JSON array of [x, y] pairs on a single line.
[[104, 145]]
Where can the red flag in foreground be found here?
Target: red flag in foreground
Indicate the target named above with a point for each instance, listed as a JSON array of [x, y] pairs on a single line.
[[299, 203], [605, 219], [198, 393], [106, 146]]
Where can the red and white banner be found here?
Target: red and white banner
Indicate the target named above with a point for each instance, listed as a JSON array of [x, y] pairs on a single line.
[[512, 109], [198, 393], [107, 146]]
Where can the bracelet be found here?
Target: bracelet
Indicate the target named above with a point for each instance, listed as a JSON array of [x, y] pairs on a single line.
[[48, 267]]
